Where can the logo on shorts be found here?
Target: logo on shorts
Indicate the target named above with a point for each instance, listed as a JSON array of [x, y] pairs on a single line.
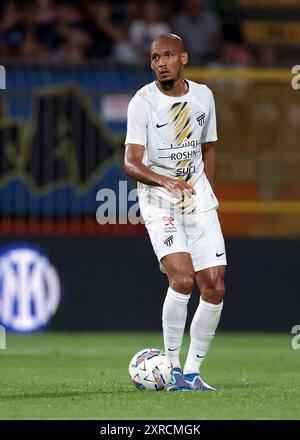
[[168, 220], [169, 241], [200, 116]]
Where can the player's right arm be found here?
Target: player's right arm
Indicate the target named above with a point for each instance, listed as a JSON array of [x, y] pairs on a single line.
[[134, 167]]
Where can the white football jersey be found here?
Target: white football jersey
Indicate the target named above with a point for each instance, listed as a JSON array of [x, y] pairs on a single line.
[[172, 129]]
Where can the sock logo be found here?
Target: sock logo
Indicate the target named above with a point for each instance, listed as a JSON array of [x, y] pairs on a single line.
[[173, 349], [219, 255], [200, 357]]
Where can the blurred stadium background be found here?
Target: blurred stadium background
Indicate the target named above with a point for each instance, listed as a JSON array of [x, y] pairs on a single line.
[[71, 68]]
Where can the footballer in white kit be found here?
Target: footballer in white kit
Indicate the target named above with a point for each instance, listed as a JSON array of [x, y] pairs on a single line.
[[170, 151], [172, 129]]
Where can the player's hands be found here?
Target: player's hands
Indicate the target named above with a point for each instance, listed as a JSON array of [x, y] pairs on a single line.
[[179, 188]]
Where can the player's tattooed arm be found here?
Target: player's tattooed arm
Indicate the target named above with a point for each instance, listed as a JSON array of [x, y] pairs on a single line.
[[209, 159], [134, 167]]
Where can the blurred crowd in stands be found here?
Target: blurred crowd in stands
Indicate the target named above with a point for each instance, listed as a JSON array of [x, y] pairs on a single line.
[[121, 31]]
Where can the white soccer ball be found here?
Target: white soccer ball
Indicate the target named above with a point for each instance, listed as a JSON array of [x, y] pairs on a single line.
[[150, 369]]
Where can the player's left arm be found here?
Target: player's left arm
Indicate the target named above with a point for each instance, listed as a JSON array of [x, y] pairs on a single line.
[[209, 159]]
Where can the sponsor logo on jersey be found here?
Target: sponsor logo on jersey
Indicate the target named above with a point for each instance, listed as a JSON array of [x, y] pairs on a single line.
[[193, 143], [194, 146], [184, 155], [185, 170], [200, 116], [168, 241]]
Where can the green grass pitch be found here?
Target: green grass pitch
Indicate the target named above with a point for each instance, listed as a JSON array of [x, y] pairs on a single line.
[[85, 376]]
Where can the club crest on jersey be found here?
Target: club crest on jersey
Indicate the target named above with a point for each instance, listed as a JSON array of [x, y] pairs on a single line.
[[200, 116], [168, 241]]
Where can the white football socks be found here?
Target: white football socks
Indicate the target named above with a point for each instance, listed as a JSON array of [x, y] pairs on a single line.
[[203, 327], [173, 321]]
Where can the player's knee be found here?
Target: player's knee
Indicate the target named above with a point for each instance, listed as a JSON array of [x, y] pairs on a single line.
[[214, 291], [182, 281], [219, 290]]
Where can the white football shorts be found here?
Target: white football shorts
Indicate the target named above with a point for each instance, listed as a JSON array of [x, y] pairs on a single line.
[[198, 234]]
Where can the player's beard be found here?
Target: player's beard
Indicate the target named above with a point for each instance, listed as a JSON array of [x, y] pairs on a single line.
[[167, 84]]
